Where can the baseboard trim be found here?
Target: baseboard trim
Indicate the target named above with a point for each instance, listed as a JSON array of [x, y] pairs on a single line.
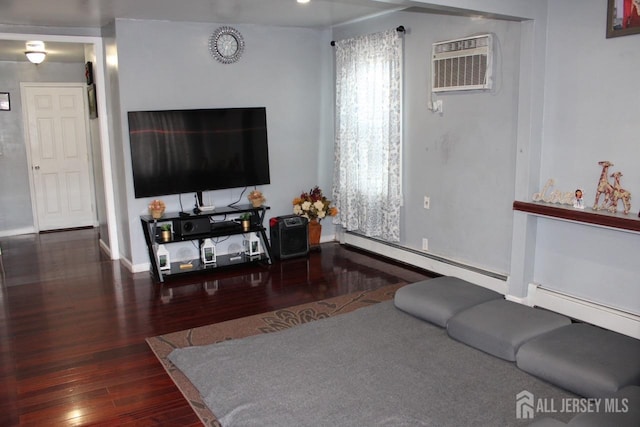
[[17, 231], [134, 268], [519, 300], [327, 239], [587, 311], [437, 264], [105, 248]]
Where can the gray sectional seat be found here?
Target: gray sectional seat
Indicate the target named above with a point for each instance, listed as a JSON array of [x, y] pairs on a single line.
[[500, 327], [584, 359], [624, 411], [437, 300]]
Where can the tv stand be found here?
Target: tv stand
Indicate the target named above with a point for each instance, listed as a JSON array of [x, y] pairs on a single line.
[[196, 231]]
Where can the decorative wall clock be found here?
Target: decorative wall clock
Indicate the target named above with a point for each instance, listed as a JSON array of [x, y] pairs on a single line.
[[226, 45]]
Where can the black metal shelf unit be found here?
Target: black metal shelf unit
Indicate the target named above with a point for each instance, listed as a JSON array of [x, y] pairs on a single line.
[[201, 226]]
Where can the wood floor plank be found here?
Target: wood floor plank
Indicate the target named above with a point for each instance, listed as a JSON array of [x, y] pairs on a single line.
[[73, 324]]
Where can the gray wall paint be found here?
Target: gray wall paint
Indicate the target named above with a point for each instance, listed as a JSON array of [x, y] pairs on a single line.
[[583, 102], [462, 159], [112, 85], [581, 87], [591, 114], [506, 8], [166, 65], [97, 161], [16, 214]]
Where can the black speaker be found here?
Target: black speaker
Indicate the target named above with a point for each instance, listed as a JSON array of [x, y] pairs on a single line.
[[289, 236], [192, 226]]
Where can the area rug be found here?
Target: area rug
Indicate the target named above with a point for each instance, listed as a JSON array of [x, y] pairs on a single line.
[[373, 366], [263, 323]]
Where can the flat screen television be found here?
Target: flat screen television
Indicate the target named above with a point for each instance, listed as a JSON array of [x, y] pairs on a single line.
[[183, 151]]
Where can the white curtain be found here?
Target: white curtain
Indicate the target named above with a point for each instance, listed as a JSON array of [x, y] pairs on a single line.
[[368, 147]]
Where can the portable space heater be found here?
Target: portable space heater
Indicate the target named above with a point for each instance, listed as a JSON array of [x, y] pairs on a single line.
[[289, 236]]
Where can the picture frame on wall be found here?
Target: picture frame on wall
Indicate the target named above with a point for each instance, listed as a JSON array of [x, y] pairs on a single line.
[[623, 17], [88, 72], [93, 104], [5, 101]]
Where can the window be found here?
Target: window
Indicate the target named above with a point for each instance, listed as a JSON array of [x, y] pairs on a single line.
[[368, 147]]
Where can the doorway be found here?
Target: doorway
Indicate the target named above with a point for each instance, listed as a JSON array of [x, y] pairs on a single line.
[[58, 149], [95, 52]]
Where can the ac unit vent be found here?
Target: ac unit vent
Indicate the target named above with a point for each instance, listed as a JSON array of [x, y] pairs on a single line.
[[462, 64]]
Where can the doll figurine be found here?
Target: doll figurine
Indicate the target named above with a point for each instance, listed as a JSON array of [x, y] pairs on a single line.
[[578, 202]]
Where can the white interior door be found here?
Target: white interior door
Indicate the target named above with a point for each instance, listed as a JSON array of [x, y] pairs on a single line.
[[58, 140]]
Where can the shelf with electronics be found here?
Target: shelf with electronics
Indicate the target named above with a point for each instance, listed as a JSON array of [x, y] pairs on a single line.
[[204, 227]]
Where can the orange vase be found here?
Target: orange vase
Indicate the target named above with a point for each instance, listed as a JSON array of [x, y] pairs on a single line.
[[315, 230]]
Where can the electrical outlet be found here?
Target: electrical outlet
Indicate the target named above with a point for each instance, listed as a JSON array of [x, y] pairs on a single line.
[[427, 202], [425, 244]]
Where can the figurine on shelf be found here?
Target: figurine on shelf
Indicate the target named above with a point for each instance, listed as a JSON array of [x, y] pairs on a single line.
[[604, 187], [156, 208], [578, 202], [256, 198], [619, 194]]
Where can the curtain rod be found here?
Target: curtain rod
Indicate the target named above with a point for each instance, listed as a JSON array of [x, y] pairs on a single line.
[[399, 29]]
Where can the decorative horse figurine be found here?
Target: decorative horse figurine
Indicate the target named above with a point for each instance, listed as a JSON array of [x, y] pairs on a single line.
[[619, 193], [604, 188]]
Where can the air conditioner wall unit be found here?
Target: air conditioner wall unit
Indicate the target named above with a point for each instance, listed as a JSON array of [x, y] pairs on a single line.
[[462, 64]]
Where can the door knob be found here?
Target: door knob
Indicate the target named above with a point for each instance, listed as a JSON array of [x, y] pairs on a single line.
[[36, 167]]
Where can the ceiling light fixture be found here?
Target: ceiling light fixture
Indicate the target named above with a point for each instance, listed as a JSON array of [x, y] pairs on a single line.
[[303, 1], [36, 57], [35, 52]]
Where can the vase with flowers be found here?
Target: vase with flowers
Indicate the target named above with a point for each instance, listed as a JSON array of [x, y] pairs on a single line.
[[314, 206], [256, 198], [156, 208]]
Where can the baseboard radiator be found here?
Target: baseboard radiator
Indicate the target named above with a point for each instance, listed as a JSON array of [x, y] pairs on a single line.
[[430, 262], [580, 309], [587, 311]]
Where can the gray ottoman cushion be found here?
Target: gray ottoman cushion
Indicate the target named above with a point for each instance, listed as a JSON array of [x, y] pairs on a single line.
[[622, 410], [500, 327], [582, 358], [437, 300]]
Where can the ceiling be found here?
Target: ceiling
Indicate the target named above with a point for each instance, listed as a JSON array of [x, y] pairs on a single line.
[[98, 13]]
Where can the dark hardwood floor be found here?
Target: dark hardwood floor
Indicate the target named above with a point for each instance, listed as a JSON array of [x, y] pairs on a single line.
[[73, 324]]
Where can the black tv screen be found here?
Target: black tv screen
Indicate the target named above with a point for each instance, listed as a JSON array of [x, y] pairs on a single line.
[[182, 151]]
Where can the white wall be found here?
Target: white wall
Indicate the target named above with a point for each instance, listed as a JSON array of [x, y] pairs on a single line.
[[462, 159], [97, 162], [164, 65], [574, 103], [592, 99], [576, 98], [591, 114], [116, 163], [525, 9]]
